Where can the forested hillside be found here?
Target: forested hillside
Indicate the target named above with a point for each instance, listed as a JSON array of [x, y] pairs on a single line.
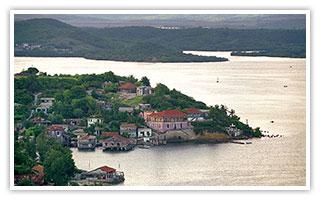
[[49, 37]]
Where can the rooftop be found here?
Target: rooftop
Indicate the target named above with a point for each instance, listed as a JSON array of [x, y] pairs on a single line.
[[127, 86], [168, 113], [55, 128], [109, 134], [193, 111], [106, 169], [127, 125], [88, 137]]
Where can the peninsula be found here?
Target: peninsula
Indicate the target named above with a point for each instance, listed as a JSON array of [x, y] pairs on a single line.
[[115, 113]]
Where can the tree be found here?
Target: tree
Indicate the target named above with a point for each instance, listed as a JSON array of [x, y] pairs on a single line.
[[34, 131], [59, 166], [32, 71], [145, 81], [25, 182], [56, 118]]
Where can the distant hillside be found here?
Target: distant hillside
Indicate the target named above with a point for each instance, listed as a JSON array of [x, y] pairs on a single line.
[[49, 37], [233, 21]]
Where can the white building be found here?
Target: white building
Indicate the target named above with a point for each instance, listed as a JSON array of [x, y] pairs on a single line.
[[233, 131], [47, 100], [144, 90], [126, 109], [93, 121], [145, 133]]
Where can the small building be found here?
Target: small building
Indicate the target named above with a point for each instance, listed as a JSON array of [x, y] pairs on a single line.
[[144, 106], [87, 142], [101, 175], [118, 143], [127, 88], [233, 131], [47, 100], [168, 120], [58, 132], [73, 122], [44, 107], [128, 129], [126, 109], [106, 84], [93, 121], [40, 121], [79, 132], [194, 114], [64, 126], [144, 133], [104, 105], [144, 90]]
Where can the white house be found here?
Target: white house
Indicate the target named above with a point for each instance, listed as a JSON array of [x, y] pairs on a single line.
[[126, 109], [48, 100], [233, 131], [93, 121], [144, 90], [145, 133]]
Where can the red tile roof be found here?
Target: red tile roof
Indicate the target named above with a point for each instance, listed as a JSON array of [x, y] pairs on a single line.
[[38, 168], [127, 86], [128, 125], [193, 111], [168, 113], [87, 137], [55, 128], [107, 169], [109, 134]]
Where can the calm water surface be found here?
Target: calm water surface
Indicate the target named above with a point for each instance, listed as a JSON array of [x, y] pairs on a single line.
[[253, 86]]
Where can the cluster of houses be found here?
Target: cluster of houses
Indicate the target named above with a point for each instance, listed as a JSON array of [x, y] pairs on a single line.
[[155, 132]]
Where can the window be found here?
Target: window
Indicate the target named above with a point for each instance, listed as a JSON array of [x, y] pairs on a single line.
[[167, 125]]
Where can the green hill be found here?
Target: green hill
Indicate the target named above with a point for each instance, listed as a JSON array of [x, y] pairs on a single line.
[[49, 37]]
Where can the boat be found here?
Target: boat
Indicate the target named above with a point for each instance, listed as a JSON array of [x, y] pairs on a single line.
[[144, 146], [241, 142]]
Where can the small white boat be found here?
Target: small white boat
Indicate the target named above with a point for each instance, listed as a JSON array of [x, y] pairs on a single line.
[[144, 146]]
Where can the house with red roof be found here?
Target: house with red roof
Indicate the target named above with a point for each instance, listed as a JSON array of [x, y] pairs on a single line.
[[104, 174], [112, 141], [128, 129], [58, 132], [127, 88], [168, 120], [87, 142]]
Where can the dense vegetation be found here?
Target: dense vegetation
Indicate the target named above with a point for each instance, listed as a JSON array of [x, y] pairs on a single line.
[[56, 159], [151, 44], [219, 118]]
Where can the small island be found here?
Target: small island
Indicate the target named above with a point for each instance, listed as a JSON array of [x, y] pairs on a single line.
[[53, 113]]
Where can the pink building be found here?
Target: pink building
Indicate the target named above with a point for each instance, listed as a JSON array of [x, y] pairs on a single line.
[[168, 120]]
